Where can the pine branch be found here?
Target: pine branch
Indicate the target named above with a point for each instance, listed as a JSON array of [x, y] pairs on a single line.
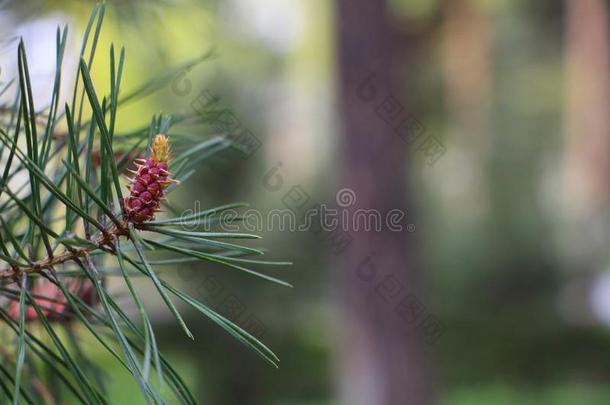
[[105, 241], [75, 223]]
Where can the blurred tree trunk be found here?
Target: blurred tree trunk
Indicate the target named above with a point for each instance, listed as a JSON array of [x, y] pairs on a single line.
[[383, 361], [467, 76], [587, 166]]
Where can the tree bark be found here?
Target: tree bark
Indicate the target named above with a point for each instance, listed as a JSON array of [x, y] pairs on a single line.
[[382, 355]]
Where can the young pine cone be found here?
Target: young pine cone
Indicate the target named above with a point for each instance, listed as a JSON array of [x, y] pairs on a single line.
[[151, 179], [52, 301]]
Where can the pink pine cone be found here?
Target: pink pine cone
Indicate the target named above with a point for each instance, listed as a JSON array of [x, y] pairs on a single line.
[[147, 187], [52, 301]]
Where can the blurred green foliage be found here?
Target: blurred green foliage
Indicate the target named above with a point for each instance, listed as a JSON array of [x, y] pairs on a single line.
[[495, 280]]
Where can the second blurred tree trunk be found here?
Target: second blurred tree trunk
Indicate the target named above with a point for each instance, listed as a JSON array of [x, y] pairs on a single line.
[[383, 361], [587, 165], [467, 76]]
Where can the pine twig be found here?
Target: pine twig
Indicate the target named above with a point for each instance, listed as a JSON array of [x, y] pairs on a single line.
[[104, 241]]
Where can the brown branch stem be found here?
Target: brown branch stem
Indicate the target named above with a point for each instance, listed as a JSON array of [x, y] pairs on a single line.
[[106, 239]]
